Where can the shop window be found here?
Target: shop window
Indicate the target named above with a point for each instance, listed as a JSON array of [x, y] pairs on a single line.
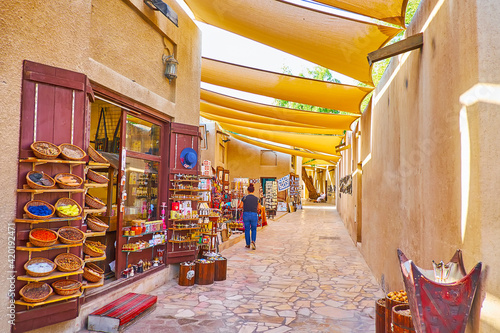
[[105, 126], [142, 189], [268, 158], [142, 136]]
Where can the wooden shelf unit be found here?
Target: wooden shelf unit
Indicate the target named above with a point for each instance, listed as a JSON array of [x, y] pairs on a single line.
[[53, 275], [94, 259], [31, 248], [51, 299], [53, 219]]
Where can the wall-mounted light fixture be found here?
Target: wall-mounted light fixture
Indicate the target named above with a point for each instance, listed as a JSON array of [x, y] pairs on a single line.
[[170, 67], [164, 9]]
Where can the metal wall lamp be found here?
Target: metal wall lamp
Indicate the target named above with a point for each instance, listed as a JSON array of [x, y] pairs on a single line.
[[170, 67]]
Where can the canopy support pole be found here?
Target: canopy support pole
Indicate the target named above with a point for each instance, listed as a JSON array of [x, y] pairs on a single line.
[[408, 44]]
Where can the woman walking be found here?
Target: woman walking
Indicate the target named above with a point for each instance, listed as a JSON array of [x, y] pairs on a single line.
[[250, 204]]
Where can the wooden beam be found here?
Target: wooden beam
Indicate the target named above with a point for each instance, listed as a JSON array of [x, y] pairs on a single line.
[[408, 44], [342, 148]]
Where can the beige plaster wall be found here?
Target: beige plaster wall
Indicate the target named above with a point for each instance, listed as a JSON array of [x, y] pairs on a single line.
[[117, 43], [430, 181], [244, 162], [209, 153]]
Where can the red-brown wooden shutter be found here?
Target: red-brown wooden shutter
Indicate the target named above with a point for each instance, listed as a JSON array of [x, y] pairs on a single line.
[[54, 108], [181, 136]]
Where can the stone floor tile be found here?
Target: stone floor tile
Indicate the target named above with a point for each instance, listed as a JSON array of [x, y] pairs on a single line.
[[293, 282]]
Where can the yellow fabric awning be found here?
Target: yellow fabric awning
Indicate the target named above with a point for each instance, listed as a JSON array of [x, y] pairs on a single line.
[[391, 11], [331, 41], [293, 117], [271, 126], [310, 162], [329, 95], [331, 158], [230, 113], [318, 143]]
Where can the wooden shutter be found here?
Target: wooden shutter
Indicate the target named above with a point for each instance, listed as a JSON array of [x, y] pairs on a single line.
[[54, 108], [181, 136]]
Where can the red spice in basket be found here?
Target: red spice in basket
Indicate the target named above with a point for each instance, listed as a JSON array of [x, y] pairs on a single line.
[[43, 235]]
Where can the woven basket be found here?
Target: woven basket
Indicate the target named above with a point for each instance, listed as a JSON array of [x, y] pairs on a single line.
[[38, 203], [34, 185], [60, 262], [69, 241], [41, 243], [96, 224], [79, 150], [97, 244], [66, 287], [96, 177], [94, 154], [41, 155], [93, 202], [25, 292], [65, 202], [68, 186], [87, 250], [92, 272], [36, 261]]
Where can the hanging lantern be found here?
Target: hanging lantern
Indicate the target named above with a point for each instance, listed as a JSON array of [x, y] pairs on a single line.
[[170, 67]]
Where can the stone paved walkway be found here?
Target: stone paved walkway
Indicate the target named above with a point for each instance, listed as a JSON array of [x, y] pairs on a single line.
[[305, 276]]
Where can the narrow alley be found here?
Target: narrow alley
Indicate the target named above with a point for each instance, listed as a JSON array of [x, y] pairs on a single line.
[[305, 276]]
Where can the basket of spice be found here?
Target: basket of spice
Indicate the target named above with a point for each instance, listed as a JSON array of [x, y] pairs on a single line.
[[39, 210], [68, 262], [35, 292], [95, 224], [68, 180], [72, 152], [96, 177], [92, 250], [45, 150], [66, 287], [67, 207], [70, 235], [38, 267], [97, 244], [39, 180], [92, 272], [94, 202], [94, 154], [42, 237]]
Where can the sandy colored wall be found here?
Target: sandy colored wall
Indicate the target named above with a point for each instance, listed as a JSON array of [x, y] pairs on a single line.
[[217, 147], [429, 175], [118, 44], [244, 162], [209, 153]]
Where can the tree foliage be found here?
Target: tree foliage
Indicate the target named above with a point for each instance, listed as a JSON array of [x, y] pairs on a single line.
[[318, 73], [324, 74]]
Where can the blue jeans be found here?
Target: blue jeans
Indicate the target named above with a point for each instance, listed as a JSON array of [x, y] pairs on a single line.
[[250, 220]]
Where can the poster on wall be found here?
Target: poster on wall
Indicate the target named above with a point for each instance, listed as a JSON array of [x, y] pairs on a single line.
[[281, 207], [271, 198], [284, 183]]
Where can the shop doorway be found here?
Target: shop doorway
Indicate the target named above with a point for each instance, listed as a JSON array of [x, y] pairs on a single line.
[[105, 137], [132, 142]]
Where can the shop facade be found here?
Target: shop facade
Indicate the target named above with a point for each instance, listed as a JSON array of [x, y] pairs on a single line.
[[92, 74]]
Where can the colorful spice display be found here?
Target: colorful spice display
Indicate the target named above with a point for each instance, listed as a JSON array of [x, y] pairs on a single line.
[[40, 179], [70, 210], [43, 235], [41, 210], [70, 234]]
